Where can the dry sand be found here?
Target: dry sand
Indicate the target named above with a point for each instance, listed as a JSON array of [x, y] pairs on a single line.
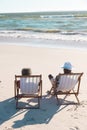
[[50, 115]]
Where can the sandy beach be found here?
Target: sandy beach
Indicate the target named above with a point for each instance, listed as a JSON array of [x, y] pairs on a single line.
[[41, 61]]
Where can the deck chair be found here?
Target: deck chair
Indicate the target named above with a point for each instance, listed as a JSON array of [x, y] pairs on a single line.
[[29, 87], [68, 84]]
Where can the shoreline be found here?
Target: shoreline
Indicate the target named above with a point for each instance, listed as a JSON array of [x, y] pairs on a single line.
[[45, 43]]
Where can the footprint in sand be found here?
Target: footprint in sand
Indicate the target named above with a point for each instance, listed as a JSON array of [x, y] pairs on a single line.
[[74, 128]]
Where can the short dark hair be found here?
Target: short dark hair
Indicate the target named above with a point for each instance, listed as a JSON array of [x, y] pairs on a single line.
[[26, 71], [66, 71]]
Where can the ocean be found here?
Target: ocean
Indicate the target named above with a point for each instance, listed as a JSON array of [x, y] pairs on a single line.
[[49, 26]]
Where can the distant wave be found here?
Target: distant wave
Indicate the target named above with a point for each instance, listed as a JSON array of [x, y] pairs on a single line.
[[40, 30], [43, 35], [80, 15], [45, 31], [55, 16], [67, 32]]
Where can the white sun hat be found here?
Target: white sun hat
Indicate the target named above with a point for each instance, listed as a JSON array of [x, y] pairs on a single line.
[[67, 65]]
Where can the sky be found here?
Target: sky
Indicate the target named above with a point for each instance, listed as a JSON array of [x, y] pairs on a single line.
[[12, 6]]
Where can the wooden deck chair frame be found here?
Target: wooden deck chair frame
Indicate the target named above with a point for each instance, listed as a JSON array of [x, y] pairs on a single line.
[[74, 91], [19, 95]]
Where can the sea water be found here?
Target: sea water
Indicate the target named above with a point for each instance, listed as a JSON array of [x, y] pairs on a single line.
[[48, 26]]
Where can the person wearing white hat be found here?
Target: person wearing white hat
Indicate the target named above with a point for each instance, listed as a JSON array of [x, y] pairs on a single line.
[[67, 68]]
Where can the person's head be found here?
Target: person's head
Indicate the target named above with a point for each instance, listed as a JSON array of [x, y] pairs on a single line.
[[66, 71], [50, 76], [67, 67], [26, 71]]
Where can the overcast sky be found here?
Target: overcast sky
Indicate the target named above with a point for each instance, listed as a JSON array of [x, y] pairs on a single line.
[[41, 5]]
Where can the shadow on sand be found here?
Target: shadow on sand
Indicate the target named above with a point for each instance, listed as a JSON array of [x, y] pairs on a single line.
[[43, 115]]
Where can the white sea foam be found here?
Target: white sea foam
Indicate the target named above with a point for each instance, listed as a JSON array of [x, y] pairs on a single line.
[[45, 36]]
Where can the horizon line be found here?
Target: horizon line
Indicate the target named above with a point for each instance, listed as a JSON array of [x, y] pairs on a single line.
[[44, 11]]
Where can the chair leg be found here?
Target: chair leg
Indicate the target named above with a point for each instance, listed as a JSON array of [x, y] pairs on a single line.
[[15, 92], [51, 91], [66, 97], [16, 103], [38, 102], [77, 99], [57, 98]]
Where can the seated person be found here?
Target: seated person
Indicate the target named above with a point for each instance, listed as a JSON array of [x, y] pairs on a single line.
[[28, 85], [24, 72], [67, 68]]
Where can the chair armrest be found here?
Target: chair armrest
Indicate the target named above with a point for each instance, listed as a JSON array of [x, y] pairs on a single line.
[[16, 87]]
